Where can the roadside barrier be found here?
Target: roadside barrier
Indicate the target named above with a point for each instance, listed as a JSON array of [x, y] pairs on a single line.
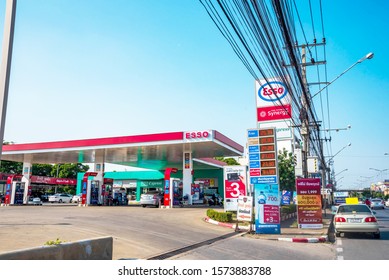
[[89, 249]]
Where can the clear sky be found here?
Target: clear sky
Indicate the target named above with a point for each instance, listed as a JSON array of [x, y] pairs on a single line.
[[88, 69]]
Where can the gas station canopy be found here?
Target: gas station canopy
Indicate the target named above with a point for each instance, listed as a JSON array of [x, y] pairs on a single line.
[[151, 151]]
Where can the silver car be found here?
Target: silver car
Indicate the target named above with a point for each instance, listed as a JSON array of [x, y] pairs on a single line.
[[151, 198], [377, 203], [355, 218]]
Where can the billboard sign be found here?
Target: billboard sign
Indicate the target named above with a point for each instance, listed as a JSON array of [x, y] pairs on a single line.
[[267, 208], [245, 208], [309, 213], [235, 185]]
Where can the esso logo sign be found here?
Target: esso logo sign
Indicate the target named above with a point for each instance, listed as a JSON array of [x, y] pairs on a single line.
[[196, 135], [272, 91]]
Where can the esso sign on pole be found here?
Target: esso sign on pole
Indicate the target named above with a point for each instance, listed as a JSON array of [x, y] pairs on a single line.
[[272, 91], [198, 135]]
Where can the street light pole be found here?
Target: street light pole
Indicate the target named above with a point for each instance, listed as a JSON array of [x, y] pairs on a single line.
[[368, 56], [328, 162], [341, 172], [349, 144]]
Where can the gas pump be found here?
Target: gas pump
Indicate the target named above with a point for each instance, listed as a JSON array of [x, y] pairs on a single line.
[[167, 201], [87, 188], [14, 191], [106, 191], [94, 192], [176, 193]]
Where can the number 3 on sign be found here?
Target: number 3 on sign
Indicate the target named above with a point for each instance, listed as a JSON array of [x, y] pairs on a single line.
[[236, 192]]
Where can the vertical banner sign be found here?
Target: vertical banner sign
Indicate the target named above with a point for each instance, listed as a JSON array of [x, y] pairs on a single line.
[[309, 213], [245, 208], [263, 171], [267, 209], [234, 185]]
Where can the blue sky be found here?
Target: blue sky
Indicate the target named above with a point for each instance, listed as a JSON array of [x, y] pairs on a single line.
[[88, 69]]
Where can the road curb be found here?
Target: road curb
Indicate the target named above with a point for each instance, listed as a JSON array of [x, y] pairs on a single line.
[[305, 240], [320, 239]]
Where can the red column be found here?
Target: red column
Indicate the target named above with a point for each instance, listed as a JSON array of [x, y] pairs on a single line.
[[166, 191]]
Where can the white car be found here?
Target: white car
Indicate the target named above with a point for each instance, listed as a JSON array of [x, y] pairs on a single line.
[[60, 198], [34, 201], [355, 218], [387, 203], [77, 198]]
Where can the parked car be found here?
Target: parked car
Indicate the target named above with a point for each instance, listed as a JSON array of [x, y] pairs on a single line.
[[77, 198], [45, 197], [377, 203], [387, 203], [35, 201], [356, 218], [60, 197], [151, 198]]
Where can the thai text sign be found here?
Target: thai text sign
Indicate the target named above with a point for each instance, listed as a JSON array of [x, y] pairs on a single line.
[[309, 213], [245, 208]]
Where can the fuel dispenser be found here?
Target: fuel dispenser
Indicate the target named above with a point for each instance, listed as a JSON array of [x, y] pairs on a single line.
[[91, 191], [106, 191], [177, 195], [94, 192], [14, 192]]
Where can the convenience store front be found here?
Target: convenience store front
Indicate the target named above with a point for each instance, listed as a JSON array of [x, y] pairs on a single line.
[[133, 183]]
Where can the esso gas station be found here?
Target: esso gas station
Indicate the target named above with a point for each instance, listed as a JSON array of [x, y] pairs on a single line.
[[169, 152]]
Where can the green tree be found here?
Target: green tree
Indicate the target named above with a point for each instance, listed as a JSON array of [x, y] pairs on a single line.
[[11, 167], [41, 169], [68, 170], [286, 164], [229, 161]]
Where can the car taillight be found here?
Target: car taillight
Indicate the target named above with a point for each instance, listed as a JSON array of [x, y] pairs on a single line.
[[340, 220], [370, 220]]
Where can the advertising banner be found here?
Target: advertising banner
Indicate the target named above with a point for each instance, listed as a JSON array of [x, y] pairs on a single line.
[[245, 208], [309, 213], [235, 185], [286, 197], [267, 209]]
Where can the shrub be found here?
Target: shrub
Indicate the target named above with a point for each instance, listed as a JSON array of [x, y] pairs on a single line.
[[53, 242], [288, 209], [219, 216]]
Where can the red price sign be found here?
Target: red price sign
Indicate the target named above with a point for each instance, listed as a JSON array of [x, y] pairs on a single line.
[[234, 189], [271, 214]]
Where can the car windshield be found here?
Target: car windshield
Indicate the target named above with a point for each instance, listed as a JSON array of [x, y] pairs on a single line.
[[353, 208]]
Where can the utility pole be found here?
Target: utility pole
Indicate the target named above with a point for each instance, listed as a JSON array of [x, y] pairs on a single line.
[[304, 117], [9, 24]]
